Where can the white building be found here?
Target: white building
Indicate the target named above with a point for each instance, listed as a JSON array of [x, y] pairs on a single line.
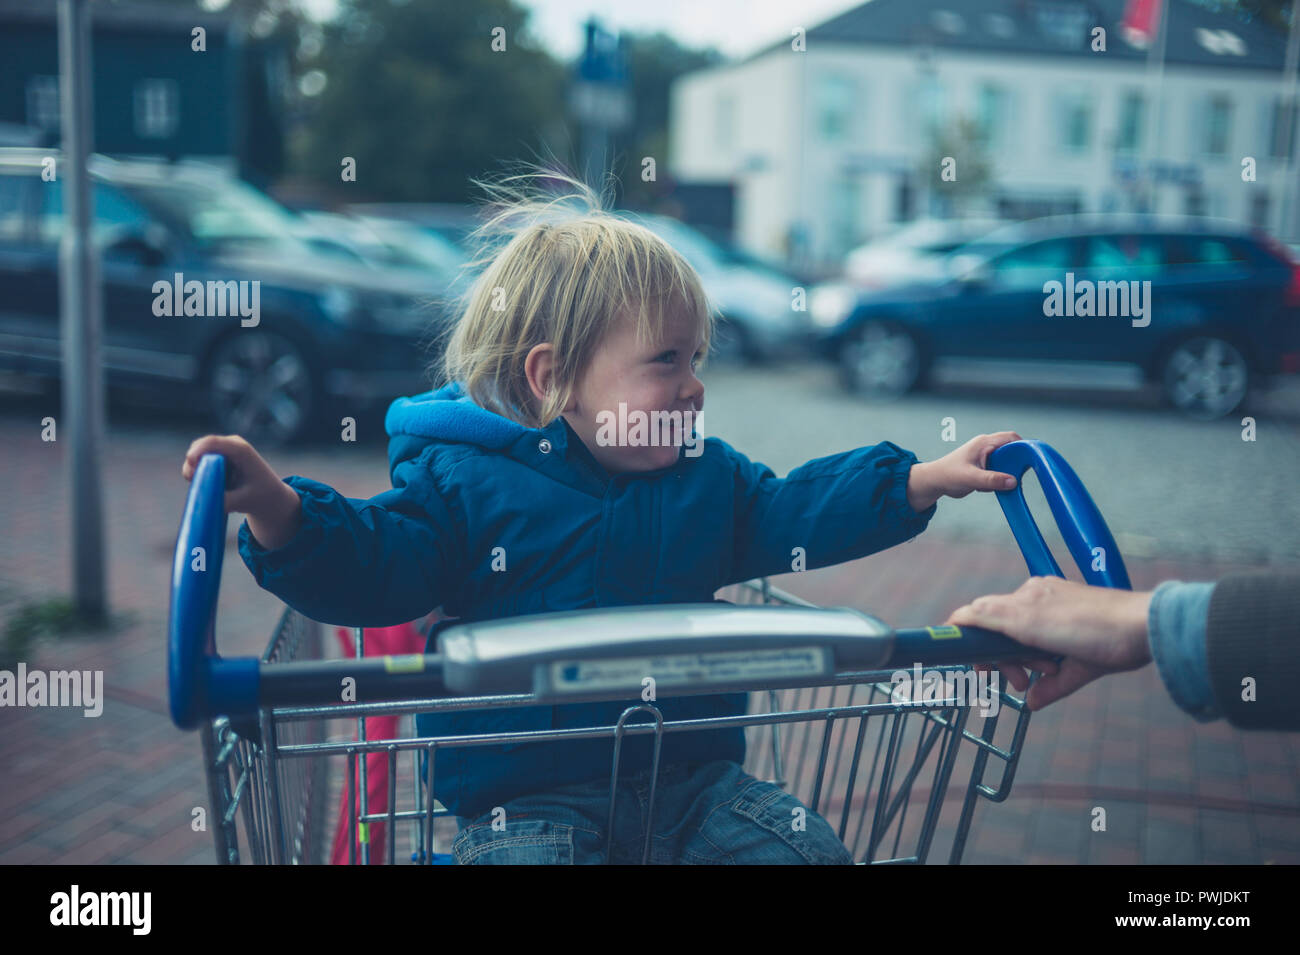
[[840, 141]]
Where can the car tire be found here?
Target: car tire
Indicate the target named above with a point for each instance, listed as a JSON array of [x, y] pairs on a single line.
[[1206, 377], [882, 359], [260, 385]]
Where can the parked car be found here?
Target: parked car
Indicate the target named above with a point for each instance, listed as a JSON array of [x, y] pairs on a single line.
[[757, 318], [452, 221], [328, 335], [387, 244], [1221, 312], [912, 252]]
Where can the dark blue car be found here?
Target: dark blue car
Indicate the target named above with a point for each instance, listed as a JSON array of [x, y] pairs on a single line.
[[1207, 309], [213, 299]]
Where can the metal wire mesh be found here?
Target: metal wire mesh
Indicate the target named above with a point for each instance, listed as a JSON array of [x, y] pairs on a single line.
[[881, 773]]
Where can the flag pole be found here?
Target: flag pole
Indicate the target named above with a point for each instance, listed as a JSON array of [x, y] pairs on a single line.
[[1155, 87]]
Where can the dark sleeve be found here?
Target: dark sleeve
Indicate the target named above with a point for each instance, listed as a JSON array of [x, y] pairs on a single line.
[[835, 508], [1254, 631], [363, 563]]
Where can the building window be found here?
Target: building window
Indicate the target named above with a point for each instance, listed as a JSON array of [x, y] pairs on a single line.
[[835, 95], [157, 108], [1074, 112], [991, 115], [1281, 136], [1063, 23], [1218, 125], [1194, 202], [1128, 138], [43, 102], [928, 108]]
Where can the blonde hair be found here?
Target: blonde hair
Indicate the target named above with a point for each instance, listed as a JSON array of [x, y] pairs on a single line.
[[569, 269]]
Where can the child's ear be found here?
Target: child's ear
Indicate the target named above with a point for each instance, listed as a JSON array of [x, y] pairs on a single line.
[[539, 368]]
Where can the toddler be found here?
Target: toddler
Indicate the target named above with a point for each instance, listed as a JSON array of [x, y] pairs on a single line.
[[518, 489]]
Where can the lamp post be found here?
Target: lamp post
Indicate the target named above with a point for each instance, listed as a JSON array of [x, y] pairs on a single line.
[[80, 314]]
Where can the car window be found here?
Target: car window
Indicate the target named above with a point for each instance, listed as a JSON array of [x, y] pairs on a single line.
[[1207, 251], [1029, 266], [223, 211], [1132, 251], [113, 210]]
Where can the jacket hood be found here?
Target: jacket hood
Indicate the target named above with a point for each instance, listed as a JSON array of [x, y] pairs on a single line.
[[447, 414]]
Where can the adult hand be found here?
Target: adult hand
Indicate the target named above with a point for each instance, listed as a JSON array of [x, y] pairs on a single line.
[[1098, 630]]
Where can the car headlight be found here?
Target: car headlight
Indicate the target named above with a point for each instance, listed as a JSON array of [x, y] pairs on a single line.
[[829, 305]]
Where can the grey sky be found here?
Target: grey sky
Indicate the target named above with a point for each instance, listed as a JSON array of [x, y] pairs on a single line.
[[736, 27]]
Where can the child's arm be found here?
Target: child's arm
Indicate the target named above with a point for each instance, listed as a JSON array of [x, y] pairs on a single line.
[[848, 505], [341, 561]]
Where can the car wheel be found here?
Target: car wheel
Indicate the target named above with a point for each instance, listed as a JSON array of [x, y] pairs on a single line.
[[260, 385], [881, 359], [1206, 377]]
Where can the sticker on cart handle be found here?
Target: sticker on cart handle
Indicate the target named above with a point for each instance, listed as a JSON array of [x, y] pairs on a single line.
[[404, 663], [944, 633], [685, 670]]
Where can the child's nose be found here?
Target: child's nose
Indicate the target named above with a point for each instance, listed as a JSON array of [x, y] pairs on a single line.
[[694, 392]]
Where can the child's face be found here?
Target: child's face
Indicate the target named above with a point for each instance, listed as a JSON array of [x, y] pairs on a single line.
[[654, 377]]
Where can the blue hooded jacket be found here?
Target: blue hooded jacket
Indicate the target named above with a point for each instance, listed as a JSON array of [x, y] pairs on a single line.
[[467, 481]]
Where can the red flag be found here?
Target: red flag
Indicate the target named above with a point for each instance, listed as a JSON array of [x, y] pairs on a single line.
[[1141, 21]]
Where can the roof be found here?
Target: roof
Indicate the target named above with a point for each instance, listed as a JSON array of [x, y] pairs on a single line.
[[117, 170], [1196, 36], [1096, 224]]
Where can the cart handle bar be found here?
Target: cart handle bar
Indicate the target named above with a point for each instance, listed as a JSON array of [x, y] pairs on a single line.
[[752, 645], [1086, 535]]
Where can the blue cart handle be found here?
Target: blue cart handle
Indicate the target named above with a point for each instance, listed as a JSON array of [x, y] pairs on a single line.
[[1081, 524], [196, 674]]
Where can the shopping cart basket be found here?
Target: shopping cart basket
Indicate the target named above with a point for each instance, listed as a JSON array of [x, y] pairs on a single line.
[[825, 719]]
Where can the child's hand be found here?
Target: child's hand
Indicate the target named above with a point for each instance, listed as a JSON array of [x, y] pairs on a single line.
[[252, 488], [959, 473]]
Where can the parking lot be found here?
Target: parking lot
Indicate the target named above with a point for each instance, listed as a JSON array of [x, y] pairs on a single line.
[[1167, 485], [121, 788]]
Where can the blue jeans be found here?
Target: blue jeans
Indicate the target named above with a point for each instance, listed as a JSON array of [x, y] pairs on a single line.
[[704, 814]]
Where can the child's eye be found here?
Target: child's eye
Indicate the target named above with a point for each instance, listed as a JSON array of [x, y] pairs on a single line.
[[669, 356]]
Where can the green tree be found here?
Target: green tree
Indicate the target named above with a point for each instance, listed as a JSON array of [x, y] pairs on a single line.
[[957, 165], [417, 95]]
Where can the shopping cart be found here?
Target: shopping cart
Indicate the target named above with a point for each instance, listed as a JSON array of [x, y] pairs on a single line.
[[825, 720]]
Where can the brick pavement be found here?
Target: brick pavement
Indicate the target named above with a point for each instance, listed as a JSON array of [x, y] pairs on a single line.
[[121, 788]]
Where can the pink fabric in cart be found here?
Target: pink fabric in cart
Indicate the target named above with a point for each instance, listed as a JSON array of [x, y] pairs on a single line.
[[405, 638]]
